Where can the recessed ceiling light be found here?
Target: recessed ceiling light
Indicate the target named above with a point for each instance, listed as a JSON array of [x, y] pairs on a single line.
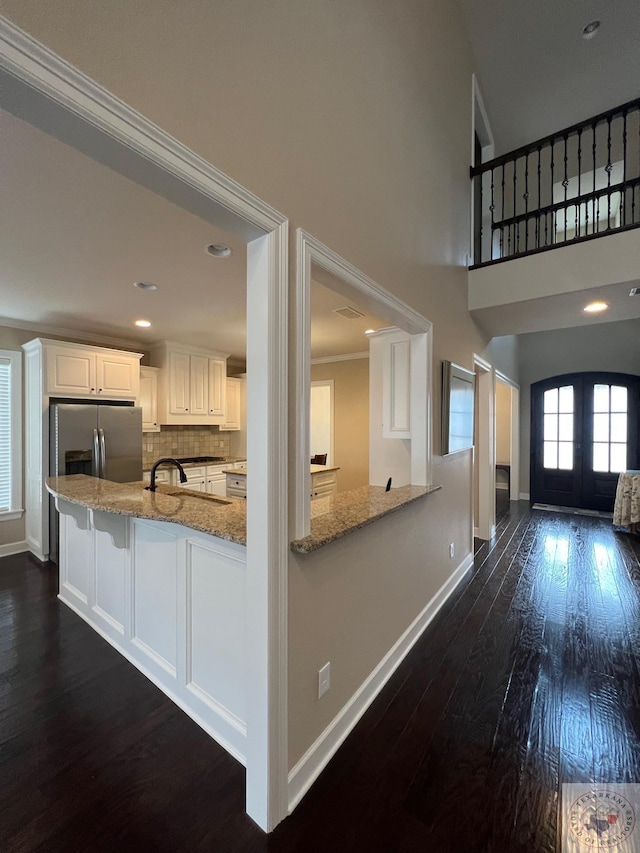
[[145, 285], [595, 307], [591, 29], [144, 324], [218, 250], [635, 291]]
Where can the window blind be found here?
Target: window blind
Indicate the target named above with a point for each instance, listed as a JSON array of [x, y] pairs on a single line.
[[5, 435]]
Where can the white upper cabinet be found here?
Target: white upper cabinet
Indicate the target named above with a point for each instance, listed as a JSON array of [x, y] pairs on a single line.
[[200, 379], [148, 399], [117, 375], [179, 385], [76, 371], [232, 417], [396, 385], [192, 384], [218, 386]]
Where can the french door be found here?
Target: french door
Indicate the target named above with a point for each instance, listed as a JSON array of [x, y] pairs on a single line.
[[584, 432]]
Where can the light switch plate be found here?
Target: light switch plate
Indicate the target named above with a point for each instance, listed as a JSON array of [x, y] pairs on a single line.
[[324, 680]]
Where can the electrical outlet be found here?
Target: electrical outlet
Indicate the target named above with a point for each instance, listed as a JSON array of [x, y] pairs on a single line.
[[451, 551], [324, 680]]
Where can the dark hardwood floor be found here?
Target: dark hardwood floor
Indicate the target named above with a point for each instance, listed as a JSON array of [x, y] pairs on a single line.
[[528, 678]]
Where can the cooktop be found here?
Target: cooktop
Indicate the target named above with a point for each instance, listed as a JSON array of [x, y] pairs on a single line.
[[186, 459]]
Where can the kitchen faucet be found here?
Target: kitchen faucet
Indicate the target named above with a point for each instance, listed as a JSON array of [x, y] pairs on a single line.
[[163, 459]]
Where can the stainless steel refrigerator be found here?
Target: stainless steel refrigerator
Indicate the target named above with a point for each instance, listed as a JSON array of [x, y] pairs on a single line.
[[99, 440]]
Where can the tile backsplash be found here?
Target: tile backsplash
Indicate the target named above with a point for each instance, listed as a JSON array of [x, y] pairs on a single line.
[[183, 441]]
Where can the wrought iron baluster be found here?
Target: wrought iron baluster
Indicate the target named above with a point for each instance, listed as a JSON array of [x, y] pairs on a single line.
[[526, 202], [539, 202], [516, 230], [579, 180], [624, 169], [594, 222], [565, 184], [502, 217], [553, 142], [608, 168], [492, 207]]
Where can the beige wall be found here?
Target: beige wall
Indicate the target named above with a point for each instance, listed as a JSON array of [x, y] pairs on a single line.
[[604, 346], [351, 418], [353, 119]]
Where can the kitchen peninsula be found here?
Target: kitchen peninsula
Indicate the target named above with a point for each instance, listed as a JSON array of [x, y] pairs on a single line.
[[162, 577]]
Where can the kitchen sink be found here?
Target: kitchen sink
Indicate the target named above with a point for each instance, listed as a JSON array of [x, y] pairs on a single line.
[[189, 493]]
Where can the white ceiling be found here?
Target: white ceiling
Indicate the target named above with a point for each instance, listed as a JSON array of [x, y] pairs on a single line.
[[75, 236], [332, 334], [562, 311], [536, 72]]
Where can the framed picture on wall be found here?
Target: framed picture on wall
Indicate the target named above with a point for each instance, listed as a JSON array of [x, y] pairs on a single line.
[[458, 396]]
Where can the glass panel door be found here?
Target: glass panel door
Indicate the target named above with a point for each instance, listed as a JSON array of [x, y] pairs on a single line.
[[558, 404], [610, 411]]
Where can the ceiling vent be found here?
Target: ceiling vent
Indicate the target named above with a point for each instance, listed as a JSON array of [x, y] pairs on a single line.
[[348, 313], [635, 291]]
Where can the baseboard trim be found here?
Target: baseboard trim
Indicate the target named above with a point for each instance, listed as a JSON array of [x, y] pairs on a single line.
[[476, 532], [504, 486], [13, 548], [316, 758], [525, 496]]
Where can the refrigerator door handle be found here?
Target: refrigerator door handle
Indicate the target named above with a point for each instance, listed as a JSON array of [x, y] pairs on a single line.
[[95, 462], [103, 453]]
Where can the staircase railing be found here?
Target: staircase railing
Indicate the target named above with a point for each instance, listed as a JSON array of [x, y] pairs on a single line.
[[577, 184]]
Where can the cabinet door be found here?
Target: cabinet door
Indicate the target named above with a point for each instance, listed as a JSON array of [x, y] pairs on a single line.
[[197, 485], [118, 376], [396, 387], [199, 404], [232, 416], [70, 372], [179, 385], [148, 399], [217, 485], [217, 386]]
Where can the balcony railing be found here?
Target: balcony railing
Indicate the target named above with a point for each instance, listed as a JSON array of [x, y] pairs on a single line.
[[574, 185]]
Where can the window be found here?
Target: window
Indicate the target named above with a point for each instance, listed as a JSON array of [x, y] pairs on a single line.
[[558, 428], [609, 428], [10, 434]]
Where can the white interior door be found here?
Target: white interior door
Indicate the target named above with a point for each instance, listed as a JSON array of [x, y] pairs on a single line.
[[322, 419]]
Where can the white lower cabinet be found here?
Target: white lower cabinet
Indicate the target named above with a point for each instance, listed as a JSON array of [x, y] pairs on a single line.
[[237, 485], [172, 600], [324, 484]]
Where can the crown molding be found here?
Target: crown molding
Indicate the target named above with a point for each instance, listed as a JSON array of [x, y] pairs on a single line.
[[349, 356], [44, 329]]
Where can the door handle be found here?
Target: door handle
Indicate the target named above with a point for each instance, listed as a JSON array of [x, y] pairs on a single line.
[[103, 453], [95, 461]]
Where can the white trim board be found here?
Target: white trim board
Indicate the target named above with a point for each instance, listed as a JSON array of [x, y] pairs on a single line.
[[11, 548], [43, 89], [316, 758]]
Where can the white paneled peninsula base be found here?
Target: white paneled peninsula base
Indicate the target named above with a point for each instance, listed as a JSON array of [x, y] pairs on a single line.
[[172, 600]]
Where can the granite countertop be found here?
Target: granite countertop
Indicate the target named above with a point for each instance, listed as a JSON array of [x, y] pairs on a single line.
[[227, 520], [331, 518], [241, 471], [336, 516]]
